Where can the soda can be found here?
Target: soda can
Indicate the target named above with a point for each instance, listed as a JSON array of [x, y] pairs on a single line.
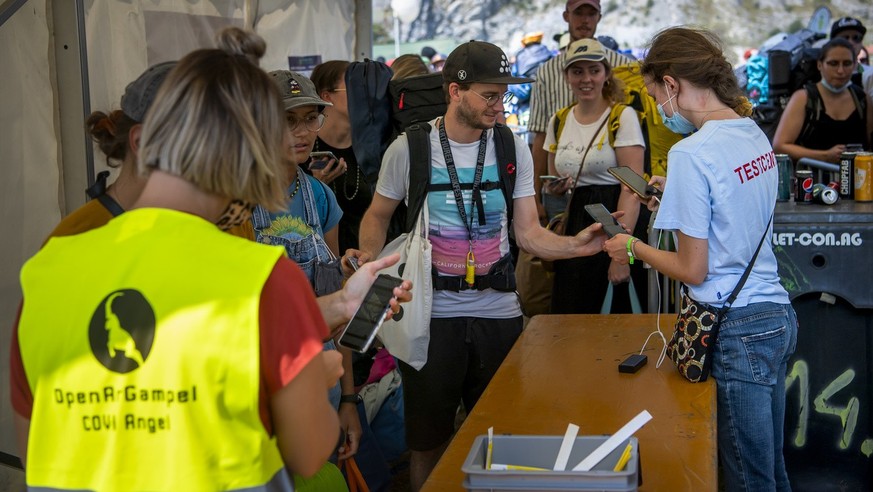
[[783, 164], [803, 186], [864, 177], [847, 175], [823, 194]]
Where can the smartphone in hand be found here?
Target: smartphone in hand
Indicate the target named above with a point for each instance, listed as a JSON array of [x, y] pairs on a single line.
[[320, 160], [359, 334], [599, 213], [635, 182]]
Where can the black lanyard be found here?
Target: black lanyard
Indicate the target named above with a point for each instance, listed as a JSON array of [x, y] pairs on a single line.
[[456, 183]]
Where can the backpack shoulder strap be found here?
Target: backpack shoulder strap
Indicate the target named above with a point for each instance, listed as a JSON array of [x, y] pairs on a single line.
[[860, 98], [504, 145], [561, 119], [614, 122], [418, 140], [812, 113]]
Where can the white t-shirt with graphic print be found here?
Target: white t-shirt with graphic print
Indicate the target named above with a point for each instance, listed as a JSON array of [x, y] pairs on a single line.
[[448, 234], [576, 136]]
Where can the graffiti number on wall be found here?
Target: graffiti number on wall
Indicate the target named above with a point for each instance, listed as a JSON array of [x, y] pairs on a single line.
[[848, 414], [800, 373]]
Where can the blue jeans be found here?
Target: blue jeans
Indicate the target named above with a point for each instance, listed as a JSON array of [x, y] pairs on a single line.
[[749, 366]]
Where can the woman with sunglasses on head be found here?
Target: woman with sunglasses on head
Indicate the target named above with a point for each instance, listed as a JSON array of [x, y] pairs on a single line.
[[719, 201], [846, 112], [581, 154]]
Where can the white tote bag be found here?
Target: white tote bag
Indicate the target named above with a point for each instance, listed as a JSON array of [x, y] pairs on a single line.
[[408, 338]]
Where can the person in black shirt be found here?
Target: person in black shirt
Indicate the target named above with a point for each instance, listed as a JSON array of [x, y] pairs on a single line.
[[351, 187]]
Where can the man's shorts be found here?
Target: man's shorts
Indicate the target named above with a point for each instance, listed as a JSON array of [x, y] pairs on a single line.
[[463, 355]]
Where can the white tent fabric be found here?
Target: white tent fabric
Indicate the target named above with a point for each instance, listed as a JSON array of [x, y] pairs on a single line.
[[123, 38]]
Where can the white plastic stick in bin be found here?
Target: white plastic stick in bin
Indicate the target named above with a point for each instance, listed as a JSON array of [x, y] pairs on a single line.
[[566, 447], [490, 448], [614, 441]]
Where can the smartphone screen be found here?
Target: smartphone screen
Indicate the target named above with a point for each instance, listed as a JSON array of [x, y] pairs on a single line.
[[599, 213], [634, 181], [319, 160], [358, 335]]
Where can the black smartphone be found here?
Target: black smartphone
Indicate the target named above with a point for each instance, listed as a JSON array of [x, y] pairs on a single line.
[[319, 160], [635, 182], [359, 334], [599, 213]]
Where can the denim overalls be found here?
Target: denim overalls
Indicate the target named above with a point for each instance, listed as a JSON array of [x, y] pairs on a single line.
[[310, 252]]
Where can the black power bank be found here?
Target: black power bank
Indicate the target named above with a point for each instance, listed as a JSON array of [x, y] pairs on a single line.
[[633, 363]]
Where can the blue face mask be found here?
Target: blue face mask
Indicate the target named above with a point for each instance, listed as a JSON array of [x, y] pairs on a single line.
[[676, 123], [835, 90]]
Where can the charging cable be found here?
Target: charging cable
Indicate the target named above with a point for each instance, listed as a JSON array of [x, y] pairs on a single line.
[[658, 332]]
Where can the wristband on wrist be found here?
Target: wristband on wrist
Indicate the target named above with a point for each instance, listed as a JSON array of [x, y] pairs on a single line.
[[353, 398], [631, 241]]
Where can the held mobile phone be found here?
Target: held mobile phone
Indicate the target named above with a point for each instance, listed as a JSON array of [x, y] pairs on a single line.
[[353, 262], [358, 335], [635, 182], [319, 160], [599, 213]]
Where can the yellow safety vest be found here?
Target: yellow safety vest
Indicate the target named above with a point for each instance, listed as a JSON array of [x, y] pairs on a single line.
[[140, 341]]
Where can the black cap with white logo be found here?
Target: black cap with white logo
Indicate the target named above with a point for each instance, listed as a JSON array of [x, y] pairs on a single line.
[[478, 61]]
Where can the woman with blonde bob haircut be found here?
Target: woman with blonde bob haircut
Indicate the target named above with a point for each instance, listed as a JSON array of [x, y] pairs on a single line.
[[217, 125], [228, 328]]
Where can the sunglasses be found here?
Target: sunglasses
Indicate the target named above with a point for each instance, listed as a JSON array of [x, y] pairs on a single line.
[[855, 38]]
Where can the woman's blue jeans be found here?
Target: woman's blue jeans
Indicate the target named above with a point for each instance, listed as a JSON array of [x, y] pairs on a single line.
[[749, 367]]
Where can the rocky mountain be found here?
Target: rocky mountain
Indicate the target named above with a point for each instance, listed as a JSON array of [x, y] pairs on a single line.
[[740, 23]]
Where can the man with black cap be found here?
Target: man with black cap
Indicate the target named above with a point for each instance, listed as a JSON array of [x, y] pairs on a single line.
[[473, 325], [551, 92], [853, 31]]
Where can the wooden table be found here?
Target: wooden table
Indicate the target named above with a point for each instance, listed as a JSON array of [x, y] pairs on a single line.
[[564, 368]]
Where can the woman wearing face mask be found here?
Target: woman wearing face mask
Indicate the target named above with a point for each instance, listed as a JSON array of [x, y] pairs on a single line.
[[719, 209], [580, 284], [847, 112]]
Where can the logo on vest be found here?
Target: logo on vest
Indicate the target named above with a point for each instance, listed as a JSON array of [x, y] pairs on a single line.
[[122, 330]]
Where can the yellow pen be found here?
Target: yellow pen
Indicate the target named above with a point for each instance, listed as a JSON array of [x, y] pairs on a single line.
[[625, 457], [490, 448]]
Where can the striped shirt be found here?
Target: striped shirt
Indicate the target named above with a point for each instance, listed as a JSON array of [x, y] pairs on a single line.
[[551, 92]]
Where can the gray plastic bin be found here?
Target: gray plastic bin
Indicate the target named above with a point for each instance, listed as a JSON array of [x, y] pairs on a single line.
[[541, 452]]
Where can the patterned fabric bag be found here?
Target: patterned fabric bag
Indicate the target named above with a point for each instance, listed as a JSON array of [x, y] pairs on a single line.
[[694, 337], [697, 327]]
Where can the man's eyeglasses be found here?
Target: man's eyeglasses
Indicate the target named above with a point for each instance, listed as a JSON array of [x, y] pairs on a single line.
[[492, 99], [312, 122]]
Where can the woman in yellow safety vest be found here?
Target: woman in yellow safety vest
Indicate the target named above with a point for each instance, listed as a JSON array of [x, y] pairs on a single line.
[[195, 362]]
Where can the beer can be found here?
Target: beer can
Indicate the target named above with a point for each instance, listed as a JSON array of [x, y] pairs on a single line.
[[847, 175], [783, 164], [864, 177], [824, 194], [803, 186]]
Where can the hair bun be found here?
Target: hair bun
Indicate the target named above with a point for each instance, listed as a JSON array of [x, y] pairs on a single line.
[[238, 41]]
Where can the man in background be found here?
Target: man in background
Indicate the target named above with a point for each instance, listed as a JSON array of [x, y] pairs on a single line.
[[551, 92]]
